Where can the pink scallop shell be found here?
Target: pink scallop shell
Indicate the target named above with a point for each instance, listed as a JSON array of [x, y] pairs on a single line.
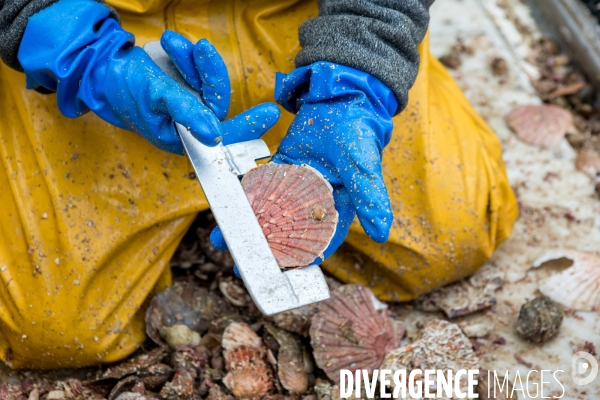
[[543, 125], [295, 208], [352, 330], [249, 376], [241, 334]]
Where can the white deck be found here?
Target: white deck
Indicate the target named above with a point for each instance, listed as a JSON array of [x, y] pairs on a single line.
[[492, 32]]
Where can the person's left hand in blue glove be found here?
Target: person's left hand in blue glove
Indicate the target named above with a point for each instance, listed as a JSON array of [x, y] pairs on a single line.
[[77, 49], [343, 121]]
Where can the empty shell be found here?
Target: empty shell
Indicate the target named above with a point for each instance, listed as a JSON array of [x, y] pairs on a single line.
[[240, 334], [352, 330], [290, 361], [577, 287], [295, 208], [249, 376], [543, 125]]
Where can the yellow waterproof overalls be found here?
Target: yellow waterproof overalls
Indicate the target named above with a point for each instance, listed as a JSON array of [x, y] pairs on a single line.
[[91, 214]]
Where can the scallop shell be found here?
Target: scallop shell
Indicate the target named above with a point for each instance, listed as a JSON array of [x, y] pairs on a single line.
[[182, 385], [588, 158], [234, 291], [577, 287], [295, 208], [249, 376], [542, 125], [240, 334], [296, 320], [167, 309], [352, 330], [184, 304], [290, 361], [441, 346]]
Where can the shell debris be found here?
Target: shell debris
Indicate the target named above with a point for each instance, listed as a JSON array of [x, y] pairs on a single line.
[[442, 346]]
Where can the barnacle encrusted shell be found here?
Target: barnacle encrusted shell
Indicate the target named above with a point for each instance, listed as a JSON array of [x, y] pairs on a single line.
[[352, 330], [577, 287], [249, 376], [540, 125], [467, 296], [539, 319], [167, 309], [296, 320], [295, 208], [179, 335], [184, 304], [441, 346]]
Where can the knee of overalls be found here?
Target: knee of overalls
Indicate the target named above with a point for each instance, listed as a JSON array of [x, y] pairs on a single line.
[[452, 202]]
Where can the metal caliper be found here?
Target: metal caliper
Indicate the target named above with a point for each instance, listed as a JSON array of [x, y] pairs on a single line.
[[219, 170]]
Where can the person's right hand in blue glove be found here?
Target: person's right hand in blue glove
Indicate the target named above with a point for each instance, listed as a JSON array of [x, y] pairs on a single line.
[[343, 121], [76, 49]]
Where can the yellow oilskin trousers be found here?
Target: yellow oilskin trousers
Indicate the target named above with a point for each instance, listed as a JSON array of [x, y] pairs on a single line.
[[91, 214]]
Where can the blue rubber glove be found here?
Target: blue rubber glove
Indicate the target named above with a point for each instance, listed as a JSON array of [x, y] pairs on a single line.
[[77, 50], [343, 121]]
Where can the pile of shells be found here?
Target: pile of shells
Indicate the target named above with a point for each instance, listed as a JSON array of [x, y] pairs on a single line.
[[208, 341], [561, 85]]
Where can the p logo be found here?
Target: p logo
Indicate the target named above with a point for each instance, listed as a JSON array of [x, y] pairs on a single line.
[[584, 368]]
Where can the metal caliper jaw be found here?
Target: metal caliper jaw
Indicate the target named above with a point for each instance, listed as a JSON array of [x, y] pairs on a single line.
[[218, 169]]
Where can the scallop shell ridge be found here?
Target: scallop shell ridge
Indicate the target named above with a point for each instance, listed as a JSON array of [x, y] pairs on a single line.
[[295, 208], [577, 287], [351, 331]]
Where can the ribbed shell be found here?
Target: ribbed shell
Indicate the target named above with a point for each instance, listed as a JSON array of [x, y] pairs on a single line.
[[240, 334], [577, 287], [290, 361], [352, 330], [295, 208], [249, 376], [541, 125]]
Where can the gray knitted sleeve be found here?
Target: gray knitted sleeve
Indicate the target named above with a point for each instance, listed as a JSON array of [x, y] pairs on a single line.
[[376, 36], [13, 20]]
